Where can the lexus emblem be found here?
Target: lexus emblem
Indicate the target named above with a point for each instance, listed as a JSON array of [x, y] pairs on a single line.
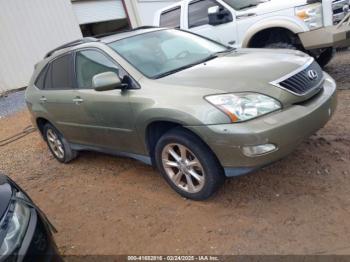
[[312, 74]]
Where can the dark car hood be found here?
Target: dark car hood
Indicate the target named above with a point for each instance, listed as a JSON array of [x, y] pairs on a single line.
[[5, 195]]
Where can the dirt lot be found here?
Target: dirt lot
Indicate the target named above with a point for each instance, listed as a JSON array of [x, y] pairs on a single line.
[[107, 205]]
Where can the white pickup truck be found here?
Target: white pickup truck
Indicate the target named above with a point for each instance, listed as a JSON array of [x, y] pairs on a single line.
[[316, 27]]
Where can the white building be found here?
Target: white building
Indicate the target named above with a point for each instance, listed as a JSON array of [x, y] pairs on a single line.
[[30, 28]]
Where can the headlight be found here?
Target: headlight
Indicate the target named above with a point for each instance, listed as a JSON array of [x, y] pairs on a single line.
[[311, 14], [16, 228], [244, 106]]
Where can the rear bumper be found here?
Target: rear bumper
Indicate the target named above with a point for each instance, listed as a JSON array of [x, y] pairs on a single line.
[[285, 129], [332, 36]]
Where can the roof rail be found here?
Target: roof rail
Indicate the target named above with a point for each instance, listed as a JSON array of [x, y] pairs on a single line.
[[145, 27], [73, 43], [125, 31]]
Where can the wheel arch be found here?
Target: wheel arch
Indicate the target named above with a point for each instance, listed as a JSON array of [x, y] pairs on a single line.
[[156, 129], [288, 24], [41, 122]]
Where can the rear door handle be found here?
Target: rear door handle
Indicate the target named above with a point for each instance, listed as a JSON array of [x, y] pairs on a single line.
[[43, 99], [78, 100]]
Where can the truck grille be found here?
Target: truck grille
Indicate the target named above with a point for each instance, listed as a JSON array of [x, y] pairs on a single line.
[[304, 81], [340, 10]]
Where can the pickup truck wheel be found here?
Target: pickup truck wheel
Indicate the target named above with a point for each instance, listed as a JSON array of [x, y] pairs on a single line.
[[324, 58], [58, 145], [188, 165], [281, 45]]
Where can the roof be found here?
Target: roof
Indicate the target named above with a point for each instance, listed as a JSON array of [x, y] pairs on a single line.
[[104, 39], [135, 32]]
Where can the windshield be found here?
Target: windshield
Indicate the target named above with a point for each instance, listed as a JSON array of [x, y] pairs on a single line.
[[241, 4], [163, 52]]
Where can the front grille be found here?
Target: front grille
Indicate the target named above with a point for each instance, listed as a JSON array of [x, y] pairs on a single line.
[[304, 81], [340, 10]]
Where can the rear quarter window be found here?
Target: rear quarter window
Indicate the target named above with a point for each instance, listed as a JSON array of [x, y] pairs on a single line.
[[40, 80], [171, 18]]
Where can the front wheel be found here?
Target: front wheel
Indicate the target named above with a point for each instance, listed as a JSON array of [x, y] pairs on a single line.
[[326, 56], [188, 165]]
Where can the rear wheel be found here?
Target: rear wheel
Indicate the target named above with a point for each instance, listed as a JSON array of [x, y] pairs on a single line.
[[188, 165], [58, 145]]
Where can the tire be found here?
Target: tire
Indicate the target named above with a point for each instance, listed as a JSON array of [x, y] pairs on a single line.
[[281, 45], [58, 145], [201, 165], [324, 58]]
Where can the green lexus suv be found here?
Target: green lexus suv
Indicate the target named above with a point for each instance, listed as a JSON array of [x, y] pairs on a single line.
[[197, 110]]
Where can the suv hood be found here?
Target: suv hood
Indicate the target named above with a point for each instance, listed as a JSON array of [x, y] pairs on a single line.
[[245, 70], [271, 6], [5, 195]]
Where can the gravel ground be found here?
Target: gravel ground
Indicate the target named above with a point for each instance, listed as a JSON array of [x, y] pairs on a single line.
[[109, 205], [11, 103]]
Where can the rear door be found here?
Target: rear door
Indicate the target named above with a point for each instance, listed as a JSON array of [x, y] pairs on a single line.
[[171, 18], [105, 116], [57, 96]]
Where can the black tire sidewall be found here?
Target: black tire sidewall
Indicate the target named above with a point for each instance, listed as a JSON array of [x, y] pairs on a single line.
[[281, 45], [324, 58], [214, 175]]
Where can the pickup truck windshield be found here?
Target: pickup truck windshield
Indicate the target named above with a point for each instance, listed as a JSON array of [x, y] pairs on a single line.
[[242, 4], [160, 53]]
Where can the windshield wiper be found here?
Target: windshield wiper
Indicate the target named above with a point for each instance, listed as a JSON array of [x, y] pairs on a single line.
[[211, 57], [228, 50]]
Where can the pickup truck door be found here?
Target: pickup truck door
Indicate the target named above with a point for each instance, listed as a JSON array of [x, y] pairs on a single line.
[[197, 20]]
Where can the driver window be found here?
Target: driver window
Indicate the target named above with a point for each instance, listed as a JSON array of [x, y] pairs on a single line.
[[90, 63], [198, 12]]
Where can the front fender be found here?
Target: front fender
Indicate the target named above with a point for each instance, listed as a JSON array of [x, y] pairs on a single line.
[[146, 117], [292, 24]]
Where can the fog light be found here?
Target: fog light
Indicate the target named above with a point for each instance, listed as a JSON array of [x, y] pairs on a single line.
[[252, 151]]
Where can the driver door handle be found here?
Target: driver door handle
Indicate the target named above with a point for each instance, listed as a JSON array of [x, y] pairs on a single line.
[[78, 100]]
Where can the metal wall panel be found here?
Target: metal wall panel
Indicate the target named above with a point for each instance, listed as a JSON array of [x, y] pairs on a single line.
[[98, 11], [28, 30]]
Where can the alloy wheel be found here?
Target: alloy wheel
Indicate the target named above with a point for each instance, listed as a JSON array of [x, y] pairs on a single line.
[[183, 168], [55, 143]]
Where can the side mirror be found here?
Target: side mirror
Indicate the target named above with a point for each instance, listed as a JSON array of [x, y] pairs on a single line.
[[219, 15], [107, 81]]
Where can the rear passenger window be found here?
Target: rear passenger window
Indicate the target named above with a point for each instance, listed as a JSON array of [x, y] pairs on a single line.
[[171, 18], [198, 12], [60, 74], [40, 81]]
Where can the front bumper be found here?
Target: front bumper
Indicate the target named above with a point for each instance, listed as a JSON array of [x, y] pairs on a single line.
[[285, 129], [332, 36], [38, 243]]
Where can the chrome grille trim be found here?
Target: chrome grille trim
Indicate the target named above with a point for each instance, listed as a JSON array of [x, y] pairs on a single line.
[[298, 83]]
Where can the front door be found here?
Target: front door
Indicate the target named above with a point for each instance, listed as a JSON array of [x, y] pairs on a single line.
[[198, 22], [106, 116]]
